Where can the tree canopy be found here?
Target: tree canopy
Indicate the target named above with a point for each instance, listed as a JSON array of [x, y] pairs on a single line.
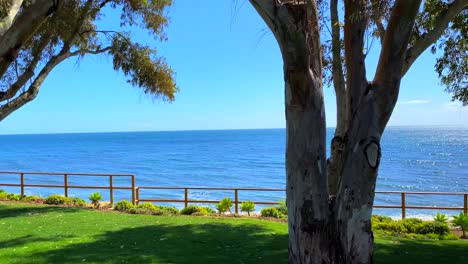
[[36, 36]]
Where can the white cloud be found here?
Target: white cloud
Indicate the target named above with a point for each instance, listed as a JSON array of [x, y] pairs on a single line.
[[414, 102]]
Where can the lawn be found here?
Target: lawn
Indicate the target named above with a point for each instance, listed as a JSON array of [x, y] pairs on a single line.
[[43, 234]]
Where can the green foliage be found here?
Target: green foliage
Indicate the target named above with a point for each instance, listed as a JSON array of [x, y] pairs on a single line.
[[224, 205], [272, 212], [410, 227], [166, 210], [452, 66], [462, 221], [247, 206], [32, 198], [282, 208], [95, 198], [123, 205], [442, 218], [197, 210], [56, 199], [380, 218], [73, 31], [432, 227], [78, 202], [149, 206], [144, 68], [3, 195]]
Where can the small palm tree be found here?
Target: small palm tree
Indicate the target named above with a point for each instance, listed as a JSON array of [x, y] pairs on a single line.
[[462, 221], [95, 199], [441, 218]]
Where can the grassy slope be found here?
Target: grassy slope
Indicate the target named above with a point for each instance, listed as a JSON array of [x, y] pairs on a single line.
[[40, 234]]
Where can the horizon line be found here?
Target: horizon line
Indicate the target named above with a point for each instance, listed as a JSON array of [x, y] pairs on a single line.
[[217, 129]]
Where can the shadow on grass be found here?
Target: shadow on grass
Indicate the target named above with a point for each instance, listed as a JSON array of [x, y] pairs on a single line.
[[420, 251], [32, 210], [20, 241], [190, 243]]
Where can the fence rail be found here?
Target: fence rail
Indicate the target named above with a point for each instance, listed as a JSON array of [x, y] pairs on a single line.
[[136, 192], [66, 186]]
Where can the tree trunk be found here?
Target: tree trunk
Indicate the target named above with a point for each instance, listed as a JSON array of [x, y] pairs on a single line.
[[331, 223]]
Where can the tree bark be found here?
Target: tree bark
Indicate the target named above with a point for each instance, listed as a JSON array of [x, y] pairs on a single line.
[[324, 228], [335, 162], [23, 27], [296, 28], [5, 22]]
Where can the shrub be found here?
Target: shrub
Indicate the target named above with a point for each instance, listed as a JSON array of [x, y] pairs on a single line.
[[442, 218], [391, 227], [197, 210], [271, 212], [247, 206], [411, 225], [224, 205], [381, 218], [167, 210], [282, 208], [14, 197], [148, 206], [432, 227], [56, 199], [208, 210], [32, 198], [462, 221], [95, 199], [3, 195], [123, 205], [449, 237], [78, 202]]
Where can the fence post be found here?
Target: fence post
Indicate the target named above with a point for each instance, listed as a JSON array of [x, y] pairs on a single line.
[[22, 184], [465, 204], [133, 189], [65, 184], [185, 197], [236, 200], [111, 191], [403, 206], [137, 195]]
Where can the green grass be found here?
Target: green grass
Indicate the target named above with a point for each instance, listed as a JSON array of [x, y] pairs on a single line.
[[43, 234]]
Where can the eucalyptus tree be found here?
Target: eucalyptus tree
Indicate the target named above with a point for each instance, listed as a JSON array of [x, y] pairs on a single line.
[[37, 35], [330, 201]]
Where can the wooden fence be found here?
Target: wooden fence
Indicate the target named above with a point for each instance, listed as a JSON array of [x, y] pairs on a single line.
[[136, 192], [111, 187]]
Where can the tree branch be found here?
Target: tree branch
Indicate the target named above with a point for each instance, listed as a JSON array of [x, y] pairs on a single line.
[[377, 18], [33, 90], [29, 72], [25, 24], [86, 51], [356, 81], [432, 36], [6, 22], [337, 71], [387, 78]]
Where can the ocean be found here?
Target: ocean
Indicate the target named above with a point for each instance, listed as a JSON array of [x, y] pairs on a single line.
[[413, 159]]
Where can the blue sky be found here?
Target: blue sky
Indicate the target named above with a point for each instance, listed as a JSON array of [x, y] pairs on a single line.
[[229, 72]]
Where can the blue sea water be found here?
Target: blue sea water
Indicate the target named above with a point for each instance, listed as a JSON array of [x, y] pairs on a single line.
[[413, 159]]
